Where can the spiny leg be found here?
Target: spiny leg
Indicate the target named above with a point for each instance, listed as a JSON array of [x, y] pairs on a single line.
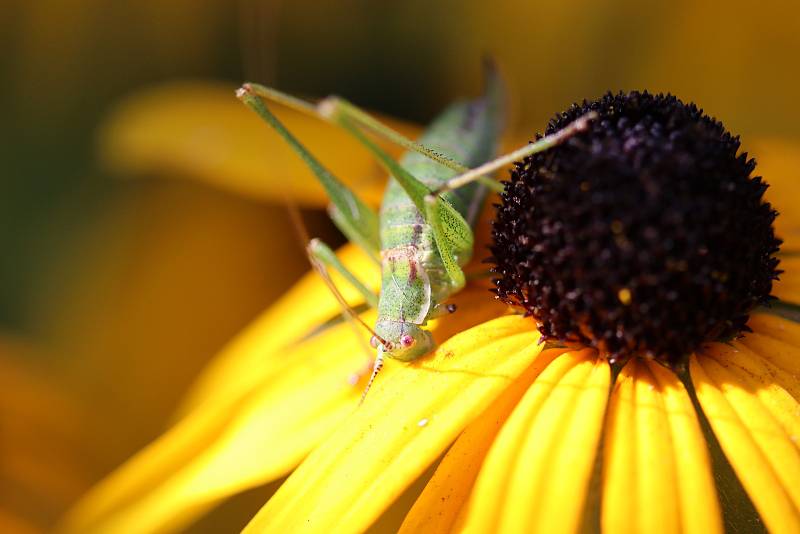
[[578, 125], [321, 256], [452, 234], [356, 220], [336, 110]]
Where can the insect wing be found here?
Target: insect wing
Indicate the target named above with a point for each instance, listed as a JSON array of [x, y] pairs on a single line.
[[405, 288]]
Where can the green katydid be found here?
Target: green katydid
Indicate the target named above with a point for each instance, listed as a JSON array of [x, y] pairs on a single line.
[[424, 232]]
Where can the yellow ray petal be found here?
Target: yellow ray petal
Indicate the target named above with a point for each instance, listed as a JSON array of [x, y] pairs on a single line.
[[405, 423], [307, 304], [200, 130], [238, 441], [536, 475], [764, 456], [779, 361], [224, 447], [440, 503], [776, 351], [754, 372], [656, 470], [777, 327]]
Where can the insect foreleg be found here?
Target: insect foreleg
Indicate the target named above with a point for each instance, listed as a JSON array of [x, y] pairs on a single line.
[[322, 253], [578, 125]]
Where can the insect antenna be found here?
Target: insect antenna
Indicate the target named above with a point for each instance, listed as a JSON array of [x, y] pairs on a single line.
[[376, 368]]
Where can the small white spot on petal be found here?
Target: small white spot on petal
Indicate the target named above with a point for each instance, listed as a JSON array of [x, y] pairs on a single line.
[[422, 422]]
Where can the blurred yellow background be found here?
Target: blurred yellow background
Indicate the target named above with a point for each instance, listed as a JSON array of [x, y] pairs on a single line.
[[139, 229]]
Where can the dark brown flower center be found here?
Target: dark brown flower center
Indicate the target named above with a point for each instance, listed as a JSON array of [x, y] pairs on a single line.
[[646, 234]]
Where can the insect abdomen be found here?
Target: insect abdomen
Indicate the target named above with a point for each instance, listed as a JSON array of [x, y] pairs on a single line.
[[413, 278]]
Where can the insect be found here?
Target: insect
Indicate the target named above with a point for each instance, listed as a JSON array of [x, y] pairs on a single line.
[[423, 234]]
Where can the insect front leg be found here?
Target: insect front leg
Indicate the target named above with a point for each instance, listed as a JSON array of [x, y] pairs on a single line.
[[481, 172], [318, 251], [323, 257], [453, 235]]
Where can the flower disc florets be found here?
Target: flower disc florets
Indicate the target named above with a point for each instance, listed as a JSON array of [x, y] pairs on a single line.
[[644, 234]]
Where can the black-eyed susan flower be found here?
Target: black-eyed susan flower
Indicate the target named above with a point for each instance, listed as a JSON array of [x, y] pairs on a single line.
[[665, 401]]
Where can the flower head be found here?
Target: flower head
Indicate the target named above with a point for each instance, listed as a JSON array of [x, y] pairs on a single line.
[[494, 430]]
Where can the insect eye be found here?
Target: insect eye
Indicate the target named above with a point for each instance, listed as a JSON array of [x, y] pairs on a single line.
[[406, 340], [373, 342]]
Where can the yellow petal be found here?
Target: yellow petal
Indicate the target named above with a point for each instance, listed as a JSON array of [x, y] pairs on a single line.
[[749, 418], [200, 130], [656, 470], [536, 475], [779, 353], [787, 288], [762, 362], [404, 425], [224, 447], [251, 435], [440, 503], [306, 305]]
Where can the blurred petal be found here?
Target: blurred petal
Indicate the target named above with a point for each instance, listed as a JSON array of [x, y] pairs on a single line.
[[43, 462], [778, 161], [536, 475], [147, 292], [225, 447], [756, 423], [308, 304], [787, 288], [443, 498], [348, 481], [656, 470], [200, 130]]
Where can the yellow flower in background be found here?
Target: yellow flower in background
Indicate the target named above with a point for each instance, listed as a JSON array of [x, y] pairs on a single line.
[[491, 432]]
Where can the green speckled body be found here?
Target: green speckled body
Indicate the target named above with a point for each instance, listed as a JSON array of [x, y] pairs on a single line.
[[414, 280]]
